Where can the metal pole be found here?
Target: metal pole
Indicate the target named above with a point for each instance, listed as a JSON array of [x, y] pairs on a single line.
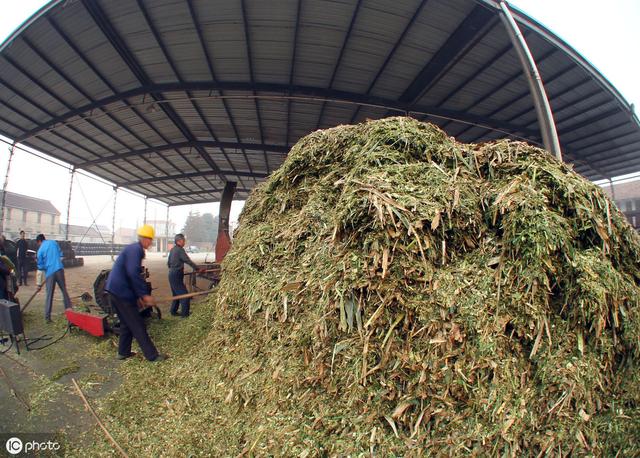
[[540, 100], [166, 230], [145, 211], [113, 220], [613, 192], [6, 183], [223, 243], [66, 231]]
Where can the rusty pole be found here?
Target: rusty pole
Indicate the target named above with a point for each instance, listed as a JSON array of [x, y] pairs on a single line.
[[6, 183]]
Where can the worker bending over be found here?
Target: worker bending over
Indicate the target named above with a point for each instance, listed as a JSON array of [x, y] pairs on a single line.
[[177, 259], [128, 290]]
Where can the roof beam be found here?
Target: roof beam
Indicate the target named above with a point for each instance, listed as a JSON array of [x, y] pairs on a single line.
[[247, 39], [292, 68], [608, 140], [207, 173], [586, 122], [282, 91], [457, 43], [84, 94], [617, 146], [196, 202], [209, 61], [206, 191], [194, 144], [179, 77], [336, 66], [129, 59], [391, 54], [108, 84]]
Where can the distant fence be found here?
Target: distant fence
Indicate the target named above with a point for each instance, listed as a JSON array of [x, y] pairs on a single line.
[[96, 249]]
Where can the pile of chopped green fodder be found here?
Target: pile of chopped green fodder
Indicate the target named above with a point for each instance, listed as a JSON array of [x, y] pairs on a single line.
[[393, 291]]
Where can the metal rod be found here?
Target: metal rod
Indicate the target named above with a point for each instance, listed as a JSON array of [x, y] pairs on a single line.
[[66, 230], [6, 183], [538, 93], [113, 219], [613, 192], [166, 231], [144, 221]]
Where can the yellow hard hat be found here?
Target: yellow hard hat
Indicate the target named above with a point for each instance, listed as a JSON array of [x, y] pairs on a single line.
[[146, 231]]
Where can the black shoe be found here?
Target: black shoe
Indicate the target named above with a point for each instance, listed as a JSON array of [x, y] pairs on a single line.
[[173, 313], [185, 316], [131, 353], [159, 358]]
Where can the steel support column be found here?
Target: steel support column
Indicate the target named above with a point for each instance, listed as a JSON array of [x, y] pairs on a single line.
[[540, 100], [166, 231], [6, 183], [223, 243], [613, 192], [113, 220], [66, 230], [144, 221]]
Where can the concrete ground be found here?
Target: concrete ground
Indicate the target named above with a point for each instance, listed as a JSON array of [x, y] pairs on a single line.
[[36, 391]]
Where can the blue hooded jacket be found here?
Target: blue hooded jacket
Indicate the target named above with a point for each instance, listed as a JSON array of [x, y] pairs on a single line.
[[49, 255], [125, 280]]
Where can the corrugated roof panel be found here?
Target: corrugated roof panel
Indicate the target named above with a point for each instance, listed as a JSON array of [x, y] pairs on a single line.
[[173, 22], [428, 34], [69, 64], [40, 99], [244, 115], [323, 29], [274, 120], [83, 32], [224, 36], [271, 34]]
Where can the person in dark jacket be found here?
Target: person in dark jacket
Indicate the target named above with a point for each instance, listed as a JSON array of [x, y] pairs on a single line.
[[5, 278], [128, 291], [177, 259], [23, 263]]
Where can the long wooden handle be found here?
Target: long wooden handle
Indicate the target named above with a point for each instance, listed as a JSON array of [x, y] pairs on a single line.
[[195, 272], [188, 295], [30, 299]]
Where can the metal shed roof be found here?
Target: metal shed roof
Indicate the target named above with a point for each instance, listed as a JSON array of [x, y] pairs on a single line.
[[173, 98]]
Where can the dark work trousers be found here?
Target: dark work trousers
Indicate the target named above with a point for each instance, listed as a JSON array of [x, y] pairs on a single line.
[[132, 325], [56, 277], [176, 281], [23, 271]]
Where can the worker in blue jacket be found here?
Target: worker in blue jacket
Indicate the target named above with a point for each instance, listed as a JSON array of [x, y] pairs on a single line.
[[50, 262], [128, 291]]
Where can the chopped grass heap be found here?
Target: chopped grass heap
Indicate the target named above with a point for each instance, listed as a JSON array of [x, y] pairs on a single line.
[[393, 291]]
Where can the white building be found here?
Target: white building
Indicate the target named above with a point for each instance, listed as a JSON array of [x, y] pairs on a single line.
[[30, 214]]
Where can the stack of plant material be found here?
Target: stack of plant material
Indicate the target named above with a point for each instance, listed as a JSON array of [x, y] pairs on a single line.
[[393, 291]]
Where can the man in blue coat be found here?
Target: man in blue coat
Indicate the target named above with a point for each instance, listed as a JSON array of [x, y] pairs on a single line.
[[50, 261], [128, 290]]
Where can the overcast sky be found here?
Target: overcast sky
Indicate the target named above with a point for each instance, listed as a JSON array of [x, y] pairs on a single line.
[[605, 33]]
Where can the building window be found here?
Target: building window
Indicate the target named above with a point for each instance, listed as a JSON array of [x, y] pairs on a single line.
[[39, 217], [53, 220], [24, 216], [9, 213]]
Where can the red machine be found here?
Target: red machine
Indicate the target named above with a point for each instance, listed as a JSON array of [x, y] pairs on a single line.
[[95, 325]]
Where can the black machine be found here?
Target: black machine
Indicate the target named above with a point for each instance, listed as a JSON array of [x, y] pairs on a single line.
[[11, 321]]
